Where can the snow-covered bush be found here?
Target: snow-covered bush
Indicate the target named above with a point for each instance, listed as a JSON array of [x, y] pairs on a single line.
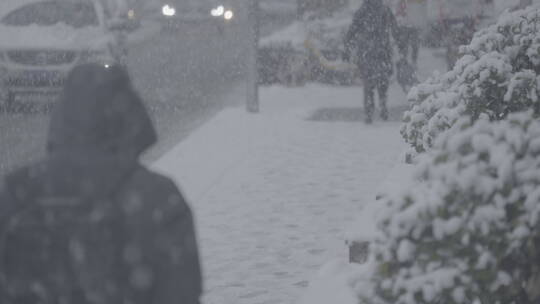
[[497, 75], [469, 230]]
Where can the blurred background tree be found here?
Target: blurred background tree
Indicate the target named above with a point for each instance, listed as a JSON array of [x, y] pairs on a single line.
[[319, 7]]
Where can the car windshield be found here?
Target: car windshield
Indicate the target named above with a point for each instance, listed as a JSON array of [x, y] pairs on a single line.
[[48, 13]]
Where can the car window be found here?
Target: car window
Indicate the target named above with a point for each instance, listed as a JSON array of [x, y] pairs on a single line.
[[48, 13]]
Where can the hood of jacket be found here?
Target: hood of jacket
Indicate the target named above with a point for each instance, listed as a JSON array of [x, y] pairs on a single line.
[[100, 113], [98, 130], [373, 3]]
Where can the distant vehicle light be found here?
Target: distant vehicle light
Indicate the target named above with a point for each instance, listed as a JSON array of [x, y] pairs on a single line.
[[218, 11], [131, 14], [168, 11], [228, 15]]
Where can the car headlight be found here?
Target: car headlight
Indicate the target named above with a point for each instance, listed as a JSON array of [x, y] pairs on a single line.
[[131, 14], [218, 11], [228, 15], [168, 10]]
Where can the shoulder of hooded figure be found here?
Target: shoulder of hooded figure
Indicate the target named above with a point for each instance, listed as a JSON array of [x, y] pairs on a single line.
[[154, 192]]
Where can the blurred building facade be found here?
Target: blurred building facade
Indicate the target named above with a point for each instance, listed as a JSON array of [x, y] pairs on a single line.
[[319, 7]]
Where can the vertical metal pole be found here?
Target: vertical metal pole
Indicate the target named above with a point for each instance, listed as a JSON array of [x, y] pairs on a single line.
[[252, 103]]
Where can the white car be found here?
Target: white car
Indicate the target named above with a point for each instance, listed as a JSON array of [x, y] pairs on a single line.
[[42, 40]]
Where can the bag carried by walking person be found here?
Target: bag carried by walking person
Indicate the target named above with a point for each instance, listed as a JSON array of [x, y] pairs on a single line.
[[406, 74]]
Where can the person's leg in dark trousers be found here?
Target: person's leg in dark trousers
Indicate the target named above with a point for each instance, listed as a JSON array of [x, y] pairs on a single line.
[[369, 98], [402, 42], [415, 44], [382, 88]]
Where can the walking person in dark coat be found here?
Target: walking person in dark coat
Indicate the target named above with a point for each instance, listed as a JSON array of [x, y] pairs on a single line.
[[89, 224], [369, 37]]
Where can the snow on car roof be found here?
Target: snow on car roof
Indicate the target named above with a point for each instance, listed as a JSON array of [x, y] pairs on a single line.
[[7, 6]]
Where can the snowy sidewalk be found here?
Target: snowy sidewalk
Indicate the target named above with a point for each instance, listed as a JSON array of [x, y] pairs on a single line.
[[274, 193]]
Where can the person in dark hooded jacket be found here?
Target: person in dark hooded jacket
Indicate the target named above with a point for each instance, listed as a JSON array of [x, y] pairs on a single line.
[[369, 36], [113, 231]]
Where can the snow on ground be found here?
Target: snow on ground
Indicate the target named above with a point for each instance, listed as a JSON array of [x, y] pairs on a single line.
[[273, 193], [331, 285]]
